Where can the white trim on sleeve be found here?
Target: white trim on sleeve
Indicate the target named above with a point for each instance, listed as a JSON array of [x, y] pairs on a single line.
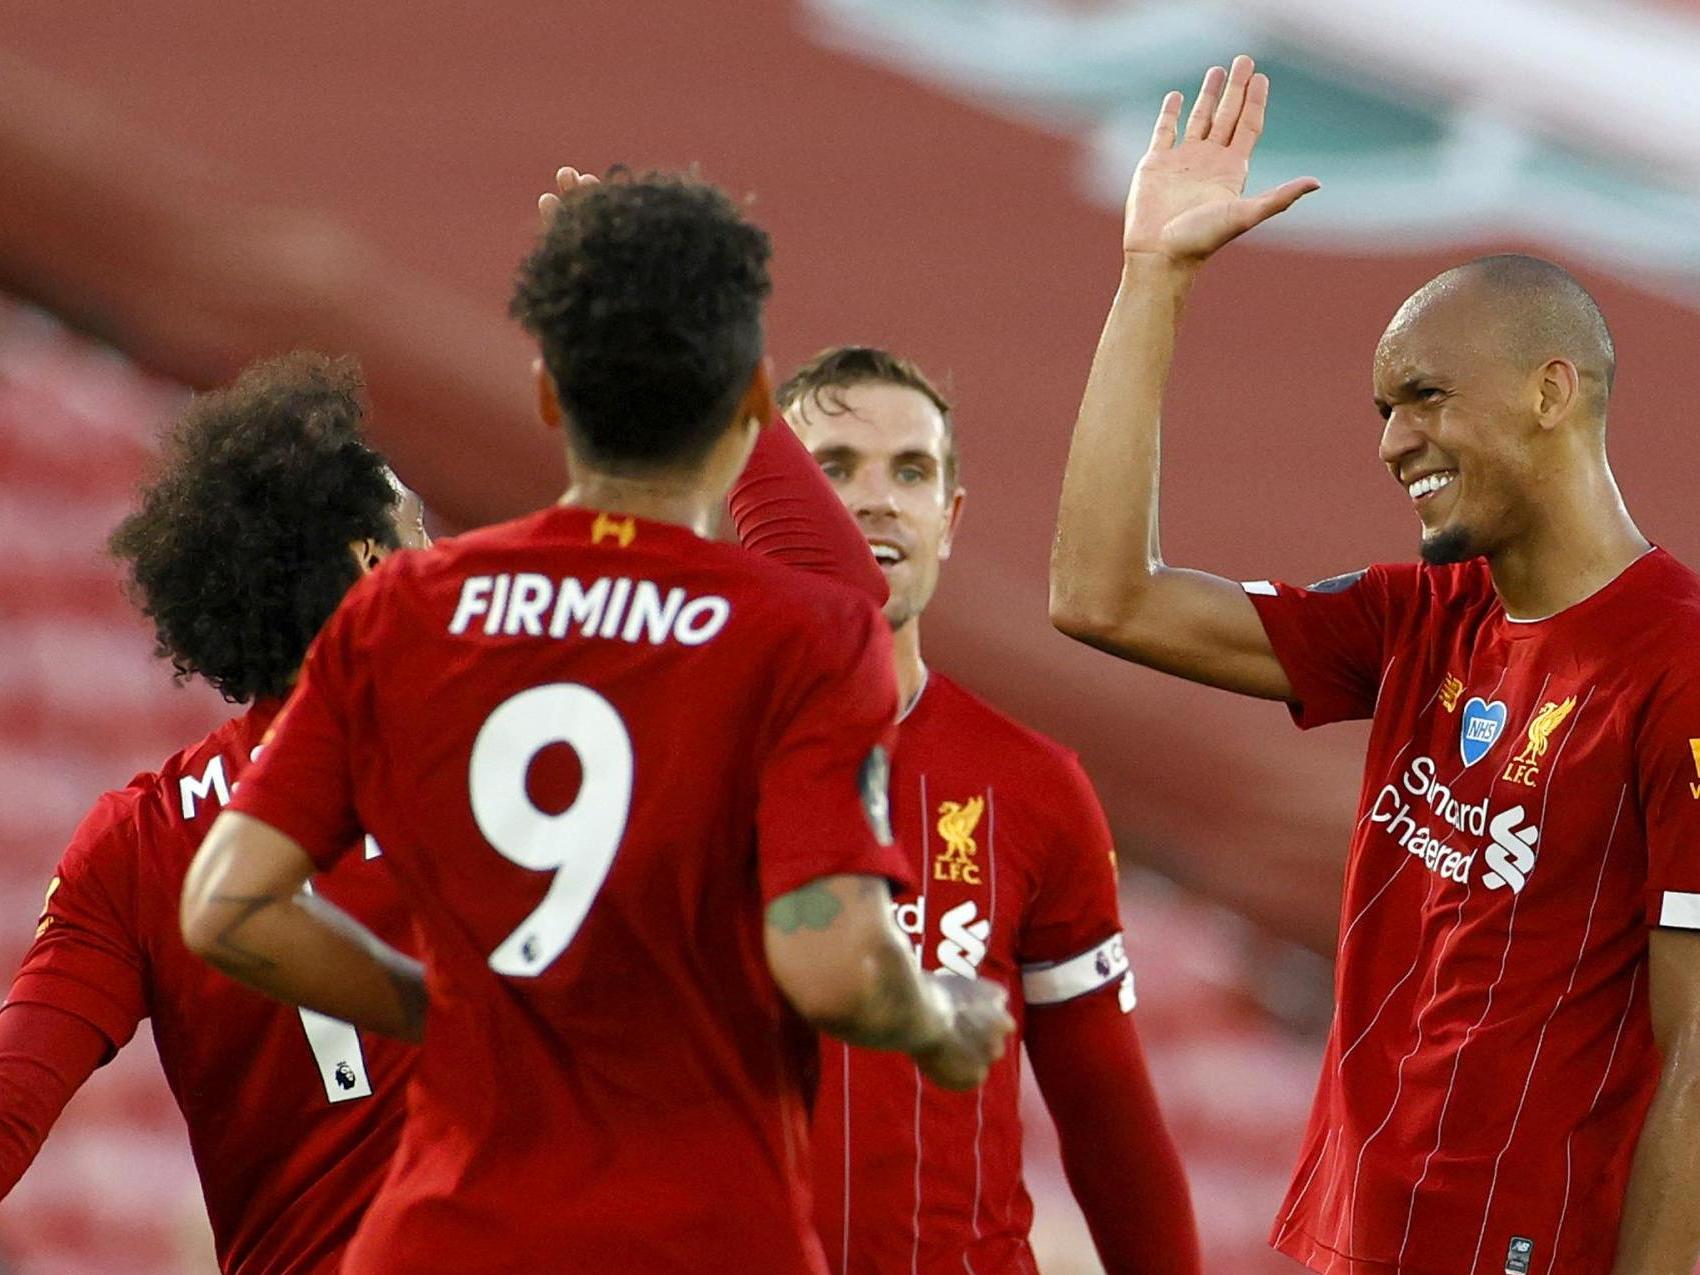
[[1059, 981], [1264, 588], [1681, 910]]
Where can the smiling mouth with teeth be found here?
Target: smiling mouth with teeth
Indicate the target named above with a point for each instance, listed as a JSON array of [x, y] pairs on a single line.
[[1430, 483], [887, 555]]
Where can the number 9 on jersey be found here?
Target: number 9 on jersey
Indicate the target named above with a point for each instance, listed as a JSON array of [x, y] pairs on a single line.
[[578, 844]]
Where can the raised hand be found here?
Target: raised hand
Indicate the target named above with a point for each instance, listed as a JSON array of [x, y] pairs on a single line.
[[567, 180], [1187, 200]]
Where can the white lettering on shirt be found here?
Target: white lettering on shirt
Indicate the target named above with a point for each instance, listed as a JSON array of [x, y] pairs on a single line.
[[617, 608], [211, 781]]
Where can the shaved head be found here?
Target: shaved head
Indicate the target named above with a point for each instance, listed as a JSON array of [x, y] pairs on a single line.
[[1527, 312], [1492, 381]]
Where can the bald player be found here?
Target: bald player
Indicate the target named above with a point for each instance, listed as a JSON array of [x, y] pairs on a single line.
[[1511, 1082]]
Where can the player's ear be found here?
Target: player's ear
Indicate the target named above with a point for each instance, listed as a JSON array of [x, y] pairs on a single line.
[[367, 554], [548, 401], [757, 403], [952, 520], [1559, 386]]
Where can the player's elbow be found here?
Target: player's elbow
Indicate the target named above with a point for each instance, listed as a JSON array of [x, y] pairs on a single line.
[[1113, 616], [200, 931], [1098, 623]]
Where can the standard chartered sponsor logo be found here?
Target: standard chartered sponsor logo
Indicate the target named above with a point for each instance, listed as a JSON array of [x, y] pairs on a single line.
[[1512, 854], [963, 934], [1405, 809]]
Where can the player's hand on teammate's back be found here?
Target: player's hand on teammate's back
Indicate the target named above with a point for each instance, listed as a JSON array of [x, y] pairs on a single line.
[[1188, 200], [979, 1026]]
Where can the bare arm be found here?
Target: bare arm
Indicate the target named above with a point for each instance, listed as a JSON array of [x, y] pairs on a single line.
[[1660, 1231], [837, 955], [1110, 586], [245, 912]]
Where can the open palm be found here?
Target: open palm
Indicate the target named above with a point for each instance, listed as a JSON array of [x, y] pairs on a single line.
[[1187, 200]]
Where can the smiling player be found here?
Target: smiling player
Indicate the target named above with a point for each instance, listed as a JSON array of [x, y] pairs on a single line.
[[1018, 884], [1509, 1083]]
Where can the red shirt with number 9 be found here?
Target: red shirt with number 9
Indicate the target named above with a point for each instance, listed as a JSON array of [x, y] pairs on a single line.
[[593, 747]]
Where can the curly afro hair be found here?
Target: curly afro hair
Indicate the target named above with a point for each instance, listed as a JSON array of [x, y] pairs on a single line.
[[645, 294], [239, 552]]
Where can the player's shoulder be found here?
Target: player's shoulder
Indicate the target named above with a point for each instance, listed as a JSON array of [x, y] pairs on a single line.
[[1674, 587], [140, 816], [1653, 624], [190, 787], [1448, 585], [112, 823], [1446, 592], [947, 707]]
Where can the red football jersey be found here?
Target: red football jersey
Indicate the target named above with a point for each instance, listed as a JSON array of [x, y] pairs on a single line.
[[593, 747], [1529, 809], [1018, 884], [292, 1116]]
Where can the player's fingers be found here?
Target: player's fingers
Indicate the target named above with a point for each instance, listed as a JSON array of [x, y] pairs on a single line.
[[1209, 93], [1232, 102], [566, 179], [547, 206], [1271, 202], [1168, 119], [1250, 127]]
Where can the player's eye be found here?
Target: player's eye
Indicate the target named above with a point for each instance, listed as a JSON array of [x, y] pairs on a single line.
[[911, 474], [835, 470]]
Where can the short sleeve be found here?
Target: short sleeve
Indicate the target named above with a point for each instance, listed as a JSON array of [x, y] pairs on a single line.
[[1667, 776], [1330, 639], [302, 780], [824, 808], [87, 958], [1071, 939]]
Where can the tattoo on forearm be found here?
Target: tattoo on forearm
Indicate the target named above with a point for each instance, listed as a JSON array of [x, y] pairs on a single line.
[[812, 907], [232, 956]]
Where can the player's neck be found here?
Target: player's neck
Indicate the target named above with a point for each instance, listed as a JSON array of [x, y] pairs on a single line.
[[681, 501], [911, 671], [1584, 541]]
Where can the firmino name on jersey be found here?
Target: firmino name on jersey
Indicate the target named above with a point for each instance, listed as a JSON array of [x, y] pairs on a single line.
[[1509, 853], [614, 607]]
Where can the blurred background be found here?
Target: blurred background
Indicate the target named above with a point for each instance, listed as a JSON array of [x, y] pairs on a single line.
[[190, 184]]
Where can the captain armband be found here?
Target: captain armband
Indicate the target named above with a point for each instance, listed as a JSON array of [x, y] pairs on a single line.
[[1058, 981]]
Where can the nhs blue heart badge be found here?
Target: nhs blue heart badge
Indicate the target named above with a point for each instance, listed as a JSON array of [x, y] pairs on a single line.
[[1481, 728]]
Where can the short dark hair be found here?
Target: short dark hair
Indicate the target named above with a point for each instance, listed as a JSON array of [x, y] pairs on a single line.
[[843, 367], [645, 294], [239, 551]]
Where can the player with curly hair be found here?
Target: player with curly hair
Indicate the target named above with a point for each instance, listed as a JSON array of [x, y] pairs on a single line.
[[267, 506], [631, 783]]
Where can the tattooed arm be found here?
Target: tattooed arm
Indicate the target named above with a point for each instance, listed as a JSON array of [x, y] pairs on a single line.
[[245, 911], [837, 955]]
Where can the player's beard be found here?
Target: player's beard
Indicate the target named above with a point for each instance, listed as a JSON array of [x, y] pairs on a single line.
[[1447, 547]]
